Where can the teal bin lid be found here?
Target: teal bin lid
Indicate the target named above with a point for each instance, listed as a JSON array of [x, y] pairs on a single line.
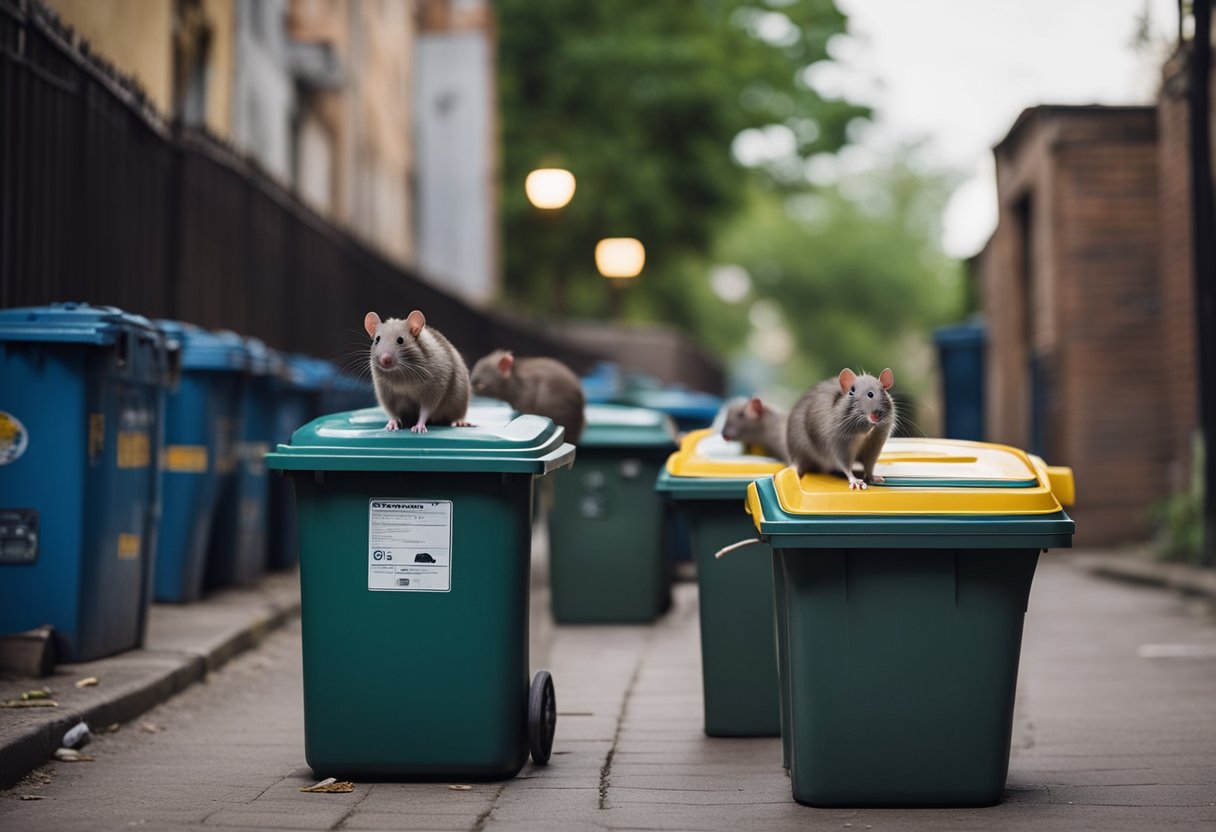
[[74, 323], [620, 426], [356, 440], [262, 359], [203, 350]]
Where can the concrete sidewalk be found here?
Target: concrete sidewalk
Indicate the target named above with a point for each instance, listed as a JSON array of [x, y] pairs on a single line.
[[183, 644], [1115, 729]]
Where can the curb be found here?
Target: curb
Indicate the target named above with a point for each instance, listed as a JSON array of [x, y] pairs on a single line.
[[161, 674], [1144, 570]]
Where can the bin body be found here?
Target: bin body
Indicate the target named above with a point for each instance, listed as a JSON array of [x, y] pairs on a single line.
[[607, 558], [199, 452], [425, 680], [707, 480], [80, 429], [903, 608], [237, 551]]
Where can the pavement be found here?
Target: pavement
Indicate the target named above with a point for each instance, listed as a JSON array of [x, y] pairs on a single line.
[[1115, 729]]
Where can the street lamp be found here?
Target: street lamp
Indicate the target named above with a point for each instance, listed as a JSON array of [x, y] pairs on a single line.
[[549, 188], [620, 257]]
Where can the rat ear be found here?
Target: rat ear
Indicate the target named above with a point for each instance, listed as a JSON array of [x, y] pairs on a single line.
[[370, 321], [505, 362], [755, 408], [846, 379], [886, 378], [415, 321]]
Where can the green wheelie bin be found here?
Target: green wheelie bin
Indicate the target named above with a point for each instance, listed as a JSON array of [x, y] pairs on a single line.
[[414, 559], [903, 607], [607, 560], [706, 480]]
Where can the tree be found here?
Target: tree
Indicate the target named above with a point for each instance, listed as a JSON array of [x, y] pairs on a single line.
[[641, 100]]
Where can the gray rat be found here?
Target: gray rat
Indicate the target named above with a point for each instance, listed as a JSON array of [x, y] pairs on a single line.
[[543, 386], [419, 376], [842, 422], [752, 422]]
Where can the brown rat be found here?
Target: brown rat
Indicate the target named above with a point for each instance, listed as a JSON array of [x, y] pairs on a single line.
[[752, 422], [842, 422], [419, 376], [543, 386]]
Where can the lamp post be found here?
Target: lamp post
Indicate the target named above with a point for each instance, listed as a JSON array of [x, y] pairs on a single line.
[[549, 190], [619, 259]]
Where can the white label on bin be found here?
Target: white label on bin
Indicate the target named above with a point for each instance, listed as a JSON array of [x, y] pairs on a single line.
[[409, 545]]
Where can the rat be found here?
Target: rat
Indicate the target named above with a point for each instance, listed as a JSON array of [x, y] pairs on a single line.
[[417, 373], [752, 422], [543, 386], [842, 422]]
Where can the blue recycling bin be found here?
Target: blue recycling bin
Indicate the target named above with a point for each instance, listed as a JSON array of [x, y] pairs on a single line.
[[297, 396], [237, 551], [349, 392], [603, 384], [960, 351], [80, 426], [202, 424]]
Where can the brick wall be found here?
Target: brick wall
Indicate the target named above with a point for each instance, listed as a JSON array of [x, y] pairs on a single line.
[[1072, 298]]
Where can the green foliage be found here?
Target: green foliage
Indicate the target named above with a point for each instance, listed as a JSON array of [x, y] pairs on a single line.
[[856, 268], [641, 101], [1179, 517]]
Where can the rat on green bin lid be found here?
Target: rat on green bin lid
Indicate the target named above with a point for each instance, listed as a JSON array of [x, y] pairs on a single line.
[[419, 376], [543, 386]]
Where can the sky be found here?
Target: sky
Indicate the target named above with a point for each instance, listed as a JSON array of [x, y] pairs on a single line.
[[956, 73]]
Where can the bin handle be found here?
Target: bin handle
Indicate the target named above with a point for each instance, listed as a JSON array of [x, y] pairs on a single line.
[[742, 544]]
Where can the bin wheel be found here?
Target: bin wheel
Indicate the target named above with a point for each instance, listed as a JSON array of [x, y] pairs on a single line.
[[542, 717]]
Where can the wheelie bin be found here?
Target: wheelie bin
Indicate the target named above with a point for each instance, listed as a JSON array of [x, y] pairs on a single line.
[[414, 563], [608, 562], [80, 426], [237, 551], [706, 481], [201, 425], [903, 607]]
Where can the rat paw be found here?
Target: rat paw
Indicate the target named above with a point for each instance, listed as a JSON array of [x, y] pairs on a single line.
[[393, 424], [418, 428], [462, 424], [876, 479], [857, 485]]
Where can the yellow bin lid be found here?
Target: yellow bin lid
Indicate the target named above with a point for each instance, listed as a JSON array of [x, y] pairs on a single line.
[[704, 453], [934, 477]]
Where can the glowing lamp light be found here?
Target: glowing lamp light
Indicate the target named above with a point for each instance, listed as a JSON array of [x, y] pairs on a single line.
[[620, 257], [549, 188]]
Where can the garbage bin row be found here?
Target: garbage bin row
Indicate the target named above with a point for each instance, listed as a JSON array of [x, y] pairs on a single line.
[[877, 632], [131, 466]]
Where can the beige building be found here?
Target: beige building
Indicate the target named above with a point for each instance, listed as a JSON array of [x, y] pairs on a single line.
[[318, 92]]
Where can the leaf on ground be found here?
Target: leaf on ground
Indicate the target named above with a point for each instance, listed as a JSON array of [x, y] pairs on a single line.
[[330, 786], [44, 693], [88, 682], [31, 703], [33, 797], [460, 788], [112, 728], [71, 755], [150, 727]]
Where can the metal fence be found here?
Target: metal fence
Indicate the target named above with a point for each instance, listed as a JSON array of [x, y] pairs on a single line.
[[102, 201]]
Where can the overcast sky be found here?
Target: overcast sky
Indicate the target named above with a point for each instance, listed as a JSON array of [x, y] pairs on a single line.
[[958, 72]]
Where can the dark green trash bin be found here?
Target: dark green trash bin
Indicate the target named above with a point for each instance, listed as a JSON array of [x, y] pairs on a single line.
[[903, 607], [706, 480], [414, 559], [607, 559]]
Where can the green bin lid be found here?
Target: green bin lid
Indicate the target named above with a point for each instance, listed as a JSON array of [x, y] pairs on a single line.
[[620, 426], [936, 493], [356, 440]]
